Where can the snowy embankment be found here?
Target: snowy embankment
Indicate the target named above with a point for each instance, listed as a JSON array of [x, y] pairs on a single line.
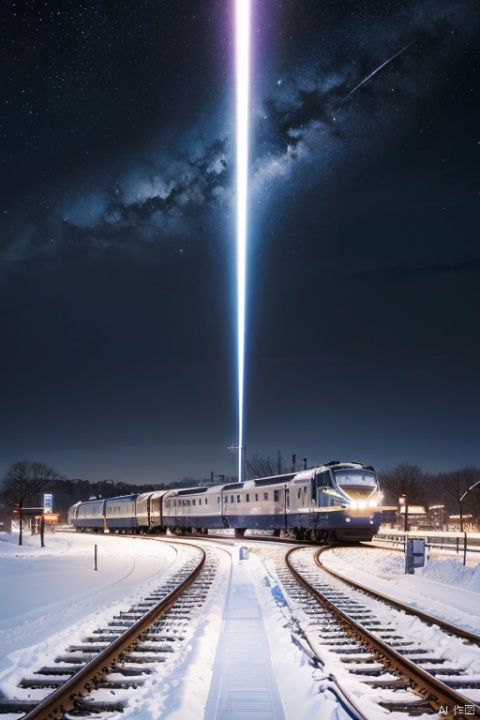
[[444, 588], [47, 590]]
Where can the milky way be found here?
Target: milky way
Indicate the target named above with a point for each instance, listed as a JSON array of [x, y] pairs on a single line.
[[161, 196]]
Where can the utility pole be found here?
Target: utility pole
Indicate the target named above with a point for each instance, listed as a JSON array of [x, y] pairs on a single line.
[[402, 501]]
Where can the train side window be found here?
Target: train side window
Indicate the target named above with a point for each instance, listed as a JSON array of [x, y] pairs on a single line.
[[193, 502], [265, 496], [218, 500], [299, 494], [231, 498], [206, 501], [256, 497], [226, 498], [247, 498], [199, 501], [238, 498], [276, 495]]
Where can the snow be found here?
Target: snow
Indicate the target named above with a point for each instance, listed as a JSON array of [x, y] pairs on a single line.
[[48, 589], [51, 597], [444, 588]]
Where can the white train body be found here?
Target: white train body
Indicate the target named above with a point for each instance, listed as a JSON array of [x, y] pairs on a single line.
[[334, 501]]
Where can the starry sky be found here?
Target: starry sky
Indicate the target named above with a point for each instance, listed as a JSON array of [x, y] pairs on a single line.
[[117, 276]]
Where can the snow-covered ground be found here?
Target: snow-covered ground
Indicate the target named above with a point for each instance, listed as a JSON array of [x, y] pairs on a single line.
[[444, 588], [50, 596]]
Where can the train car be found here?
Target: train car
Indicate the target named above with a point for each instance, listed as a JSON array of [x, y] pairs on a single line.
[[121, 514], [256, 504], [341, 501], [89, 515], [196, 508]]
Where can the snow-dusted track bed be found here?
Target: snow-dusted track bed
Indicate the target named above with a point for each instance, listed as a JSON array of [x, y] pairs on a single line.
[[390, 659], [253, 643], [96, 676], [449, 627]]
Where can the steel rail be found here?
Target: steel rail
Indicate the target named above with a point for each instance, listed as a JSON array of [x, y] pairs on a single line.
[[87, 678], [443, 624], [425, 685]]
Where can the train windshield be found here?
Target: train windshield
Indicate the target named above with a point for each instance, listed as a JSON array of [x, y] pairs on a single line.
[[358, 484]]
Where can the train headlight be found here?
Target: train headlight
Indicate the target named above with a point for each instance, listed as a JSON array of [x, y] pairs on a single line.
[[354, 505]]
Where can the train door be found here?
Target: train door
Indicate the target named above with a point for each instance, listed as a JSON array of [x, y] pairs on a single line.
[[224, 506], [286, 506]]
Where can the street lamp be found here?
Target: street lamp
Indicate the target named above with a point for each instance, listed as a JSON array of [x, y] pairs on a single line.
[[470, 488], [461, 500]]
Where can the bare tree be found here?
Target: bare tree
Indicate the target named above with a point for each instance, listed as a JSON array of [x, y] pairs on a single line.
[[455, 486], [23, 480], [458, 486], [258, 466], [405, 479]]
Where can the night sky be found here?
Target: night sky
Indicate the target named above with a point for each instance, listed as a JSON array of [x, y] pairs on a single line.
[[117, 278]]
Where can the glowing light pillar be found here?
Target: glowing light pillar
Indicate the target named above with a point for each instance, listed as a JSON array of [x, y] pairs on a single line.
[[242, 73]]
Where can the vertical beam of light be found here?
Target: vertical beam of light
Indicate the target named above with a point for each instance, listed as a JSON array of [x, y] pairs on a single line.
[[242, 74]]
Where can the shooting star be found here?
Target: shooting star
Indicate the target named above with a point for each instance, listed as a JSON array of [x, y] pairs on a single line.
[[377, 70]]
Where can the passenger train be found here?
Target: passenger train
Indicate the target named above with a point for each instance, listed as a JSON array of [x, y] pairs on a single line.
[[336, 501]]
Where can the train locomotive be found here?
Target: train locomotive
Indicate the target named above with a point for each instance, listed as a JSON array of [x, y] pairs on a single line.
[[335, 501]]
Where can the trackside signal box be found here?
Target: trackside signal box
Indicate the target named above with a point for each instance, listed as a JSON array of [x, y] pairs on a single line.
[[415, 555]]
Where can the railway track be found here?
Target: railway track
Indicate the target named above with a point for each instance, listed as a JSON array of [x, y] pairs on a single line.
[[368, 648], [113, 660], [375, 658]]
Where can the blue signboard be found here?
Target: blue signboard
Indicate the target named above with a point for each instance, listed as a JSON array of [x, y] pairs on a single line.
[[415, 556], [47, 503]]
